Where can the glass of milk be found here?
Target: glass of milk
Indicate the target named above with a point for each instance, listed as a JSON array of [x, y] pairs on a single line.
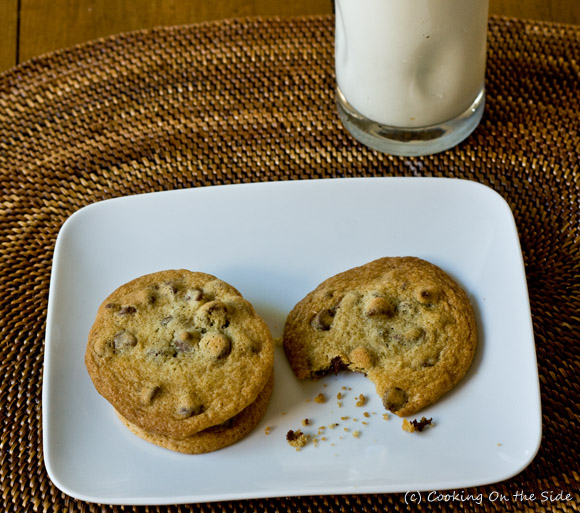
[[410, 73]]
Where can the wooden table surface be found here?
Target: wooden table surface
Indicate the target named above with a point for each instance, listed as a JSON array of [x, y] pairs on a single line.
[[33, 27]]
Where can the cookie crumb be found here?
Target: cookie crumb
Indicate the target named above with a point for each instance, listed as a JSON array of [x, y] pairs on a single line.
[[296, 439], [356, 434], [320, 398], [344, 418], [361, 400], [367, 414], [386, 416], [268, 430], [339, 396], [305, 422], [332, 426], [415, 425]]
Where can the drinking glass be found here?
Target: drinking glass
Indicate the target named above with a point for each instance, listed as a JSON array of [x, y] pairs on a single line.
[[410, 73]]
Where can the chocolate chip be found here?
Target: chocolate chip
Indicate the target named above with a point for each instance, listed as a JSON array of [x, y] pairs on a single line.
[[213, 315], [361, 357], [395, 398], [255, 346], [292, 435], [169, 287], [186, 411], [421, 424], [379, 306], [124, 340], [216, 345], [427, 295], [151, 293], [148, 393], [336, 365], [227, 424], [186, 341], [102, 347], [409, 337], [194, 295], [127, 310], [323, 320]]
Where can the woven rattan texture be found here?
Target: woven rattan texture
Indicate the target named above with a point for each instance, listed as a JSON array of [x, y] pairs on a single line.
[[252, 100]]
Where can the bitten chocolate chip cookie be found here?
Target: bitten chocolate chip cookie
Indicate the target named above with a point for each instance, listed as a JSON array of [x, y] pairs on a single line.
[[401, 321], [177, 352]]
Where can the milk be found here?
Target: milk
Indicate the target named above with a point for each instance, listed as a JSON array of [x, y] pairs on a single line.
[[410, 63]]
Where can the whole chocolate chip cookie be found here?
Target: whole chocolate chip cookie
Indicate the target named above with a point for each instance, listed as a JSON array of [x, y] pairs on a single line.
[[176, 352], [401, 321]]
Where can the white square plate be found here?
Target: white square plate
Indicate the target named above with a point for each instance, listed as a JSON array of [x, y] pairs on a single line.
[[275, 242]]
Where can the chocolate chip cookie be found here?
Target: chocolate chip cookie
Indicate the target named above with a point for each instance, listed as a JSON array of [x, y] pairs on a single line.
[[177, 352], [214, 437], [401, 321]]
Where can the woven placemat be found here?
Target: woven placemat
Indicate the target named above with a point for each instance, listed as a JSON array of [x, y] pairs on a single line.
[[252, 100]]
